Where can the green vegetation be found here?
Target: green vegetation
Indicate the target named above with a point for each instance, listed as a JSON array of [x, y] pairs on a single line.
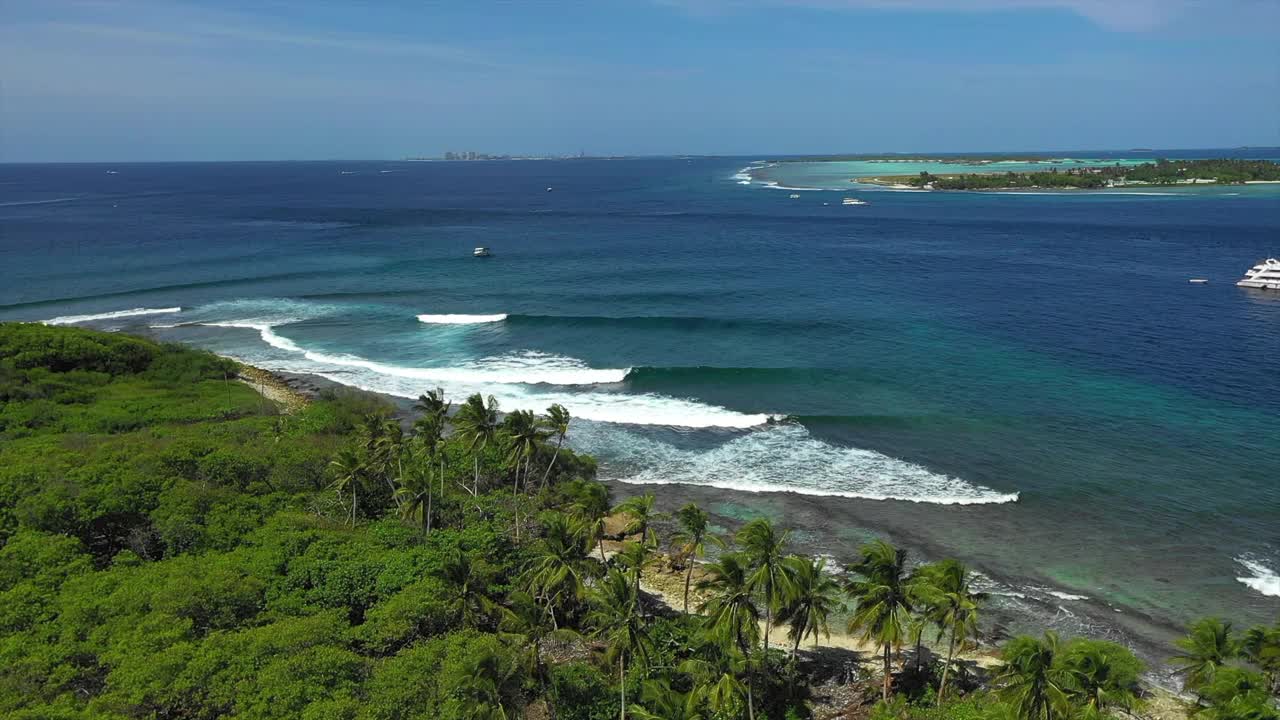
[[1161, 172], [172, 547]]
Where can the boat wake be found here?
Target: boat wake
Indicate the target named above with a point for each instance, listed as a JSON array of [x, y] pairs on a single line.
[[76, 319]]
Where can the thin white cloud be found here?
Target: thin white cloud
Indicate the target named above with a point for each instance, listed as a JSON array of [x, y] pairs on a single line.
[[1118, 15]]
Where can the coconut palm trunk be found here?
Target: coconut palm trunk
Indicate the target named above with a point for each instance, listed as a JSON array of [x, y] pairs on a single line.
[[946, 669], [554, 456], [888, 675], [622, 683], [688, 576]]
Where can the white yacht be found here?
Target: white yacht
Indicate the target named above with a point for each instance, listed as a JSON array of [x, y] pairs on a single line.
[[1265, 274], [853, 201], [480, 252]]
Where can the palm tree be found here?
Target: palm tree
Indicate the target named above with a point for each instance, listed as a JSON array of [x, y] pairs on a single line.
[[732, 618], [414, 492], [1208, 645], [616, 618], [430, 428], [763, 547], [432, 404], [557, 423], [477, 424], [469, 580], [811, 597], [634, 558], [946, 590], [381, 441], [1101, 675], [641, 510], [478, 690], [691, 541], [1261, 646], [430, 438], [560, 565], [590, 503], [883, 600], [1030, 680], [349, 471], [523, 438], [664, 703]]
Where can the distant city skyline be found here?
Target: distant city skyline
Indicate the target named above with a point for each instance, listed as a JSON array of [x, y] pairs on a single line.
[[121, 80]]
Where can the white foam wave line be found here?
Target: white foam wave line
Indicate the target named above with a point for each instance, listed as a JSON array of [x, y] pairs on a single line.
[[530, 369], [73, 319], [485, 377], [461, 319], [1264, 579], [820, 492], [16, 203], [782, 458]]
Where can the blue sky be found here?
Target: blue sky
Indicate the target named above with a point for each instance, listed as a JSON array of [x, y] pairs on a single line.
[[277, 79]]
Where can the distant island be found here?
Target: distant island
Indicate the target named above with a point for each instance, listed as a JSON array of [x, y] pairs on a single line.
[[473, 156], [1161, 172]]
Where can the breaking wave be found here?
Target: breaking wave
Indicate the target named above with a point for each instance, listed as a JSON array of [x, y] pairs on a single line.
[[74, 319], [782, 457], [1263, 579], [461, 319]]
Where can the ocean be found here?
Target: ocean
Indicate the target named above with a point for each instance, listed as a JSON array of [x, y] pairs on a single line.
[[1026, 381]]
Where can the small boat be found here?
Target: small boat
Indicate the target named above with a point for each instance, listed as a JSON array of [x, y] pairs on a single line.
[[481, 252], [795, 196], [1264, 275], [853, 201]]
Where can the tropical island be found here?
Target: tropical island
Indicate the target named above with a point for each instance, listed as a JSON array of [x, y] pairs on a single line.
[[182, 536], [1158, 173]]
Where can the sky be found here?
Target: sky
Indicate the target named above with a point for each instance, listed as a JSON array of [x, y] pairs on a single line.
[[149, 80]]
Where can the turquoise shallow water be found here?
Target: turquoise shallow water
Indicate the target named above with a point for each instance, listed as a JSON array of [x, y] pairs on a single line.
[[1028, 382]]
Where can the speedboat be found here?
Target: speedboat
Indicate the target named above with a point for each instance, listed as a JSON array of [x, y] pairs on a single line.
[[481, 252], [853, 201], [1265, 275]]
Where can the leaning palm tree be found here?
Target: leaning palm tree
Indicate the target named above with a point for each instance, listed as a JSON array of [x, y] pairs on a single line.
[[690, 542], [560, 566], [557, 424], [615, 617], [811, 597], [477, 424], [880, 590], [1208, 645], [1030, 679], [640, 508], [951, 604], [349, 474], [764, 548]]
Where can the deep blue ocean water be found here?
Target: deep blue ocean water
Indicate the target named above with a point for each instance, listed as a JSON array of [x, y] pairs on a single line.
[[1026, 381]]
